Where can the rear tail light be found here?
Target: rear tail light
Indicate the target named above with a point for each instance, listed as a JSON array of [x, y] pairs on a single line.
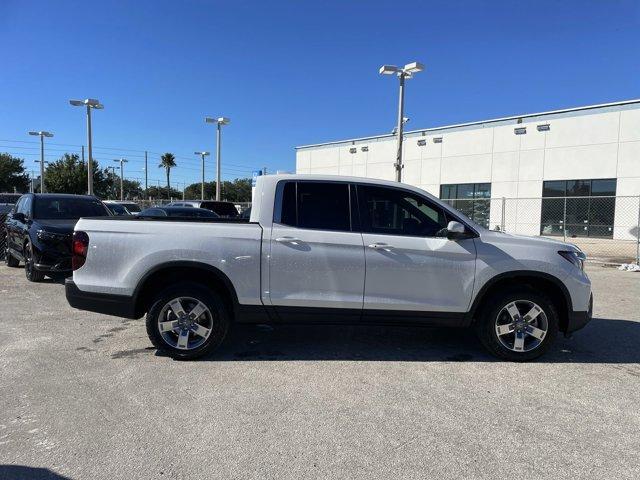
[[79, 247]]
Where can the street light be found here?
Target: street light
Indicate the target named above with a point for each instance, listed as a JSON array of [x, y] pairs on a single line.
[[89, 103], [42, 164], [219, 122], [408, 71], [42, 134], [202, 154], [122, 162]]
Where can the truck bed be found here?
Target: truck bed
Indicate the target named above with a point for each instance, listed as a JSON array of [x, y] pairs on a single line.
[[122, 250]]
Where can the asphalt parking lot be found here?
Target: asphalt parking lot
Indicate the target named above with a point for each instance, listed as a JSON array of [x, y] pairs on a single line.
[[85, 397]]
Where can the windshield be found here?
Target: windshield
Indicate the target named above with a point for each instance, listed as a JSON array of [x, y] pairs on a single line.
[[132, 207], [117, 209], [68, 208]]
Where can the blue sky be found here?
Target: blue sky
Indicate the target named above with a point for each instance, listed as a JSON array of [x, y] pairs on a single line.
[[293, 73]]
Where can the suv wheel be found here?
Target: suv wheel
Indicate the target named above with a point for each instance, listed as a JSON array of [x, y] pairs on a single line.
[[187, 321], [10, 260], [518, 325], [30, 271]]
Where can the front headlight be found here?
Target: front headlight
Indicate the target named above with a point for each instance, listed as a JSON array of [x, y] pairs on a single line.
[[576, 257]]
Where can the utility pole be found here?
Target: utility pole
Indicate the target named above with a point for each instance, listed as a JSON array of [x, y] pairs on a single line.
[[146, 171], [122, 162], [402, 73]]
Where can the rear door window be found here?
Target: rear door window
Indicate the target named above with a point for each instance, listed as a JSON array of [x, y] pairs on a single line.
[[316, 205]]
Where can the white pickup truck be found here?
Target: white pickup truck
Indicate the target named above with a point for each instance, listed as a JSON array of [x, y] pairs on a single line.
[[329, 250]]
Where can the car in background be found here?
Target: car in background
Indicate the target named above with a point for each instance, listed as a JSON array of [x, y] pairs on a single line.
[[184, 212], [118, 207], [39, 230], [223, 209]]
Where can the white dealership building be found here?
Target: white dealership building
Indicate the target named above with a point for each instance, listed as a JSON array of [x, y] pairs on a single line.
[[562, 172]]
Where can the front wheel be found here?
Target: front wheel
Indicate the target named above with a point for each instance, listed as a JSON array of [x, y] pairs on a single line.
[[187, 321], [30, 271], [518, 325]]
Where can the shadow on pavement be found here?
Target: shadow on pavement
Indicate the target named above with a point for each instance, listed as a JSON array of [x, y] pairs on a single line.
[[21, 472], [601, 341]]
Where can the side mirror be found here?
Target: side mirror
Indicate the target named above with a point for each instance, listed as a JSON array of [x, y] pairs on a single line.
[[456, 231], [19, 216]]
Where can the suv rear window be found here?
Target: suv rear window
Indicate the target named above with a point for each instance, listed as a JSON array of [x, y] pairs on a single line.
[[316, 205], [68, 208]]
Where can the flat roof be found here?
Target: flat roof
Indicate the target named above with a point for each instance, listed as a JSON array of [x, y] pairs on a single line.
[[562, 112]]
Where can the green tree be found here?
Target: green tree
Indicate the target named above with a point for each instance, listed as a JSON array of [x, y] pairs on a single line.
[[12, 174], [168, 161], [157, 193], [69, 175], [238, 190]]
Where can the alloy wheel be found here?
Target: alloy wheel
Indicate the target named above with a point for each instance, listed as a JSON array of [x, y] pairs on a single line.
[[185, 323], [521, 326]]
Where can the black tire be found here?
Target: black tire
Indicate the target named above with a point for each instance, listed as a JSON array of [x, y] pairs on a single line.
[[219, 322], [30, 271], [10, 260], [488, 319]]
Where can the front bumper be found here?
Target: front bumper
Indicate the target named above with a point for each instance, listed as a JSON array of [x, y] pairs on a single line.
[[578, 320], [116, 305]]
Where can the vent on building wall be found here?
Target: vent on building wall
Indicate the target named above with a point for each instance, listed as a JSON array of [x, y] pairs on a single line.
[[520, 130], [422, 142], [353, 150], [365, 149], [437, 139], [545, 127]]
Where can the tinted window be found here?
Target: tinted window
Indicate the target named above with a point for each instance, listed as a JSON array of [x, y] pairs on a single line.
[[153, 212], [225, 209], [397, 212], [68, 208], [20, 205], [289, 206], [323, 206], [117, 209], [132, 207]]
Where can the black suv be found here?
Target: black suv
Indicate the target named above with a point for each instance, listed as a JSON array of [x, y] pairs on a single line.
[[39, 231]]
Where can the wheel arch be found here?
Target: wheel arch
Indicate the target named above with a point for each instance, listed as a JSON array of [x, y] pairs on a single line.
[[169, 273], [549, 284]]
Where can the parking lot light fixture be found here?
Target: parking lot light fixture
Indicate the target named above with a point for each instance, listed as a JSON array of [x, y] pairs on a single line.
[[89, 103], [219, 121], [402, 73], [122, 162], [42, 134], [202, 154]]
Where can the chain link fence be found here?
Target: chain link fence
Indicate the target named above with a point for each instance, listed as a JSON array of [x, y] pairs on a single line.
[[607, 228]]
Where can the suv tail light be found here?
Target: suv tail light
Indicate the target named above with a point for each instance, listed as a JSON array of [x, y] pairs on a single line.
[[79, 246]]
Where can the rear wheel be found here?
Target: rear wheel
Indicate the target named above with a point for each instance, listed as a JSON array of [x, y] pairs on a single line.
[[519, 325], [30, 271], [187, 321]]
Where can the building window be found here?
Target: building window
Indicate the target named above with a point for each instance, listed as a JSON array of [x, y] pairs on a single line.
[[472, 199], [578, 208]]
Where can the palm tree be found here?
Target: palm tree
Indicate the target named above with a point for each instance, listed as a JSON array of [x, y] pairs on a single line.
[[168, 161]]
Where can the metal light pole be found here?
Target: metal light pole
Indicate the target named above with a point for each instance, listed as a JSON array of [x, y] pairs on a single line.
[[122, 162], [42, 134], [146, 172], [202, 154], [42, 163], [89, 103], [402, 73], [219, 122]]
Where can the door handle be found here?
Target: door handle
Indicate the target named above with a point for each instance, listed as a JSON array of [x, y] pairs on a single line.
[[287, 239], [381, 246]]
